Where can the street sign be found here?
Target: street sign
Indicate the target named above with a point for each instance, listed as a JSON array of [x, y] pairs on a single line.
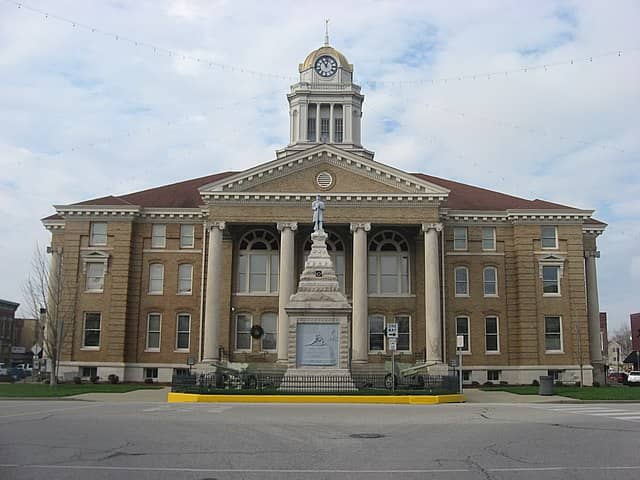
[[453, 363], [392, 330], [460, 341], [36, 349], [393, 344]]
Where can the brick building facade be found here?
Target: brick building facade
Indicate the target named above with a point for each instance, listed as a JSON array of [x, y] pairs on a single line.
[[185, 270]]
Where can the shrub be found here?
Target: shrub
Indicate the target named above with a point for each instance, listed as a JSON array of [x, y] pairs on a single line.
[[559, 383], [77, 380], [535, 383], [94, 379], [113, 379], [488, 383], [475, 384], [504, 382], [148, 380], [596, 383]]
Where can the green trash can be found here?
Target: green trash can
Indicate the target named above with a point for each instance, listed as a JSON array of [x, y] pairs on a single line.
[[546, 385]]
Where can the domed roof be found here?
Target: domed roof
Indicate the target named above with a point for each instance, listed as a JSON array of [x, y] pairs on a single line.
[[326, 50]]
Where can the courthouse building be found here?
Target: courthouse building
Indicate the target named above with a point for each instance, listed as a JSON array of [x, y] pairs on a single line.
[[187, 271]]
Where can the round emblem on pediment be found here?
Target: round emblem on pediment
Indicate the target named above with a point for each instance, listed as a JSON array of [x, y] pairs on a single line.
[[324, 180]]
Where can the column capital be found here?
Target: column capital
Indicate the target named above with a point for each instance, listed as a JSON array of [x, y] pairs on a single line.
[[360, 225], [592, 253], [217, 224], [287, 225], [435, 226]]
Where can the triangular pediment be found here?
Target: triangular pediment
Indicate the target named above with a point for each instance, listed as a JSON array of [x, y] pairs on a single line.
[[349, 174]]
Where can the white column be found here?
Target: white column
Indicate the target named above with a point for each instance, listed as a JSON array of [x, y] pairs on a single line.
[[285, 286], [347, 123], [304, 109], [317, 123], [213, 299], [433, 318], [359, 317], [331, 122], [593, 307]]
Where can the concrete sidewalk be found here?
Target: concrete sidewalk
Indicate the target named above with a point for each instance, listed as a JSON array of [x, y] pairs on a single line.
[[475, 395], [143, 395]]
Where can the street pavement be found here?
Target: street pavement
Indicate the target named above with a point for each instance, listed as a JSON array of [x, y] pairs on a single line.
[[97, 439]]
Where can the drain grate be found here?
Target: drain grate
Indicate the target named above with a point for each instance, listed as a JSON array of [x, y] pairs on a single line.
[[366, 435]]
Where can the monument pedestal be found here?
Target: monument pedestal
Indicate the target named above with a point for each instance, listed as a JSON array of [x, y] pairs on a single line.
[[319, 329]]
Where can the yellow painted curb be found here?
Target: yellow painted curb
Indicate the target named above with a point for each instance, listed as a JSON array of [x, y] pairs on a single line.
[[387, 399]]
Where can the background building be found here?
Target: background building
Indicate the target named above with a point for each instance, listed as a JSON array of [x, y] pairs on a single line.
[[186, 270]]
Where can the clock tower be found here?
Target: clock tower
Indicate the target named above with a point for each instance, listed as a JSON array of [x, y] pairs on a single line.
[[325, 106]]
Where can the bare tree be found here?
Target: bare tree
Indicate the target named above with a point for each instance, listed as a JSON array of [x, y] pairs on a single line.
[[623, 336], [44, 300]]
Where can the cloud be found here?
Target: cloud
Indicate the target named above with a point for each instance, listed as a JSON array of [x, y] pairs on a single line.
[[86, 115]]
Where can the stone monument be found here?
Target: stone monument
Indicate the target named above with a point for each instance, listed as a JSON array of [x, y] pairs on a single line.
[[319, 329]]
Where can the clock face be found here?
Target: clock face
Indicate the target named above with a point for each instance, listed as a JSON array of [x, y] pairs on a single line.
[[326, 66]]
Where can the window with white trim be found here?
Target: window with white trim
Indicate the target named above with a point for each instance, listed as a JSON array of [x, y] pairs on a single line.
[[156, 278], [488, 238], [549, 236], [269, 324], [98, 235], [551, 280], [461, 275], [183, 331], [490, 281], [404, 332], [462, 328], [376, 333], [460, 238], [258, 263], [491, 334], [154, 321], [95, 277], [88, 372], [151, 372], [91, 331], [187, 236], [243, 332], [335, 247], [337, 132], [185, 279], [553, 334], [158, 236], [388, 272], [493, 375]]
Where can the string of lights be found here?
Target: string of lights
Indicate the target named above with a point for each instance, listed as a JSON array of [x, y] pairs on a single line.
[[373, 84]]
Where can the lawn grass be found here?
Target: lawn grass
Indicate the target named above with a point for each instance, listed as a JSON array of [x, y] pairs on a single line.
[[39, 390], [587, 393]]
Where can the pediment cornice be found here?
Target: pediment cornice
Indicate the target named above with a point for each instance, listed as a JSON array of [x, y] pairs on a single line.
[[404, 182]]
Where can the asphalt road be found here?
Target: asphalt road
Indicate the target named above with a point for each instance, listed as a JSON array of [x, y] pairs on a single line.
[[67, 439]]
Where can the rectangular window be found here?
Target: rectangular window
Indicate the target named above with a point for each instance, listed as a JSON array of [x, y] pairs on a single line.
[[95, 277], [151, 372], [549, 236], [462, 328], [183, 331], [337, 132], [91, 337], [488, 238], [490, 281], [158, 236], [243, 333], [185, 279], [493, 375], [88, 372], [181, 372], [376, 333], [550, 279], [258, 268], [462, 281], [491, 334], [311, 129], [324, 129], [187, 235], [404, 332], [153, 331], [460, 238], [98, 234], [273, 274], [156, 278], [466, 375], [553, 334], [555, 374], [269, 323]]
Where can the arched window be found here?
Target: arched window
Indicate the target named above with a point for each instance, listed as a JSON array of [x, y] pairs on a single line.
[[490, 281], [388, 271], [336, 252], [258, 263]]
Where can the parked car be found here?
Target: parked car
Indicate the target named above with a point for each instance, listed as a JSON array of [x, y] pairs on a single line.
[[617, 377], [14, 374], [634, 378]]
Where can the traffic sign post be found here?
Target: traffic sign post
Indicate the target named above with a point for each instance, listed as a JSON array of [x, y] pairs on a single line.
[[460, 346], [392, 339]]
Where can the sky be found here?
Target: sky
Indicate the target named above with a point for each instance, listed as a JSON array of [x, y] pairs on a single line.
[[538, 99]]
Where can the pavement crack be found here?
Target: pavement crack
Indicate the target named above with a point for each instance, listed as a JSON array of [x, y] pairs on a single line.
[[476, 466], [494, 450]]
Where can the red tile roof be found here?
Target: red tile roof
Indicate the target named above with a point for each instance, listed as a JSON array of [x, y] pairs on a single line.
[[461, 197]]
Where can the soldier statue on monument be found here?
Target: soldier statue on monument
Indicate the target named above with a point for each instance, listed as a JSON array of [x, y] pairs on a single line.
[[318, 214]]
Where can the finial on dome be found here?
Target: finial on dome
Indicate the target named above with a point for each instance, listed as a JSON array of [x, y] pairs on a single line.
[[326, 31]]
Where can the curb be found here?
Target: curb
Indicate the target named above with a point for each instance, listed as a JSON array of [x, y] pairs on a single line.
[[371, 399]]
